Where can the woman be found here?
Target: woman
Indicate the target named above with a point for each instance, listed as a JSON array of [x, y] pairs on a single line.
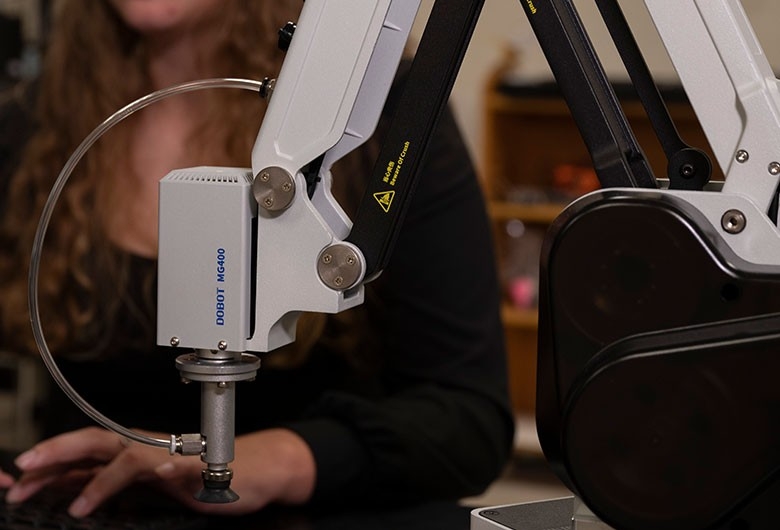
[[403, 399]]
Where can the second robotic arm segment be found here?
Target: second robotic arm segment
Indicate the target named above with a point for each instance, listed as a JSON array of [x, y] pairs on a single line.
[[741, 118]]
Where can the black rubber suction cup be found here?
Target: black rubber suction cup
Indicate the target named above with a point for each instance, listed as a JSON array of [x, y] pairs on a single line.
[[219, 493]]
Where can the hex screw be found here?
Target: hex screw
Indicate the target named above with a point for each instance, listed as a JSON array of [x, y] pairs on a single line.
[[222, 345], [175, 341], [733, 221], [774, 168], [742, 156]]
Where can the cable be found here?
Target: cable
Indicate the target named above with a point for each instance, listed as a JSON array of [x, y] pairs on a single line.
[[43, 225]]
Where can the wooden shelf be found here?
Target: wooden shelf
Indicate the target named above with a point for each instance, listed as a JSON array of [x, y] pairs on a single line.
[[542, 213], [519, 318]]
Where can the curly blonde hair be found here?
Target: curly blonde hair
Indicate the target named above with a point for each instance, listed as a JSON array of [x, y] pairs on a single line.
[[91, 70]]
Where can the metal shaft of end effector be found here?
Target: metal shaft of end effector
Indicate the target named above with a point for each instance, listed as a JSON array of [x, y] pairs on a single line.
[[217, 371]]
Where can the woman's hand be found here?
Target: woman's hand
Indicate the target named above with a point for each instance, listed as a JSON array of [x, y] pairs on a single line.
[[6, 480], [275, 465]]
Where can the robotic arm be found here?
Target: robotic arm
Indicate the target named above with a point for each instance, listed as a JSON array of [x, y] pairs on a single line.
[[283, 217], [625, 381], [272, 241], [742, 116], [270, 238]]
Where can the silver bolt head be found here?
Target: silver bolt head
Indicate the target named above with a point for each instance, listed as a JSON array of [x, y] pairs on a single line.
[[733, 221], [222, 345], [175, 341], [274, 189]]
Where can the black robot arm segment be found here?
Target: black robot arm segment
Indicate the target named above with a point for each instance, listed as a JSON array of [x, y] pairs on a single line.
[[425, 95]]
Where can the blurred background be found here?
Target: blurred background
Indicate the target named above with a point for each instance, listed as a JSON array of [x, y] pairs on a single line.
[[23, 26]]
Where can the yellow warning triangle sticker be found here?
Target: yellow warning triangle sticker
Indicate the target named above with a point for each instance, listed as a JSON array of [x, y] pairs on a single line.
[[385, 199]]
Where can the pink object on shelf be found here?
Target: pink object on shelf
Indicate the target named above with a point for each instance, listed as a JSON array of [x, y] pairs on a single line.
[[522, 291]]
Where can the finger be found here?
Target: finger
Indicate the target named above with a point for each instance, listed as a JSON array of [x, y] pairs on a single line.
[[59, 472], [25, 488], [29, 484], [89, 443], [6, 480], [128, 467]]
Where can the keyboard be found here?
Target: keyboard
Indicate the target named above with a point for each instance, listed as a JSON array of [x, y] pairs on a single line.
[[48, 510]]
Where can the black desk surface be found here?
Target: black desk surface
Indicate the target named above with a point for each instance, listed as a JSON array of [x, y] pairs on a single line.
[[428, 516], [433, 516]]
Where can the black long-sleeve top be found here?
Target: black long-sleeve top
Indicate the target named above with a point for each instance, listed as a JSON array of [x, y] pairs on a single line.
[[428, 417]]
